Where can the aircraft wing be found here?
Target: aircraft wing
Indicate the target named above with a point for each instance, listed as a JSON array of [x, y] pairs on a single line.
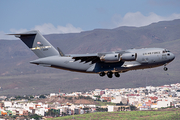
[[93, 58]]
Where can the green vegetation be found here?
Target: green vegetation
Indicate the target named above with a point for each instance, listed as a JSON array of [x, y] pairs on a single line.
[[84, 97], [126, 115], [53, 112], [98, 96], [35, 116], [22, 97], [77, 98], [42, 96], [101, 109], [132, 107]]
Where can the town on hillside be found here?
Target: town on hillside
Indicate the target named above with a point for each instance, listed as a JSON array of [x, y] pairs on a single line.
[[98, 100]]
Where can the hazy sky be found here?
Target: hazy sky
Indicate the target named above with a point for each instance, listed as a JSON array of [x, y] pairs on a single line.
[[71, 16]]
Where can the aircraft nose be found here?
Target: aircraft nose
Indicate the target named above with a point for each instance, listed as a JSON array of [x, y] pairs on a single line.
[[172, 56]]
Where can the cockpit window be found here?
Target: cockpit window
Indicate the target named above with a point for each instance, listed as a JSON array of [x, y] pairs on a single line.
[[165, 51]]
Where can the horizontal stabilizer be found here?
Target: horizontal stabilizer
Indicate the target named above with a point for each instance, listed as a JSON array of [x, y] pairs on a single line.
[[34, 32]]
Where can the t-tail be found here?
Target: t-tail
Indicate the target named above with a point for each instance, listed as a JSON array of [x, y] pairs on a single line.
[[37, 43]]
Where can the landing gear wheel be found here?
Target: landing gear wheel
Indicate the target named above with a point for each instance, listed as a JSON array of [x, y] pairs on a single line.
[[165, 68], [109, 74], [102, 74], [117, 74]]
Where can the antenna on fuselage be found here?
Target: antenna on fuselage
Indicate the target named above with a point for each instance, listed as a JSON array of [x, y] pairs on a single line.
[[60, 52]]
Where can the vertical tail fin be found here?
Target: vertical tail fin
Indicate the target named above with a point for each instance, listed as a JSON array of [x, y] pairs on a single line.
[[37, 43]]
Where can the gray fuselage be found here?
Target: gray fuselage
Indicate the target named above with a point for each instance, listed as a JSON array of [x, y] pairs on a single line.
[[146, 58]]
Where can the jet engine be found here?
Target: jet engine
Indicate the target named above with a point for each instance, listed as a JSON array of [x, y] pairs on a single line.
[[129, 56], [110, 58]]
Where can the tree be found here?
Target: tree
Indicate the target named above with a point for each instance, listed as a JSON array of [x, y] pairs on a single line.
[[42, 96], [31, 96], [98, 96], [88, 97], [69, 98], [104, 100], [85, 108], [18, 97], [135, 91], [132, 107], [101, 109], [120, 103], [36, 117], [53, 112]]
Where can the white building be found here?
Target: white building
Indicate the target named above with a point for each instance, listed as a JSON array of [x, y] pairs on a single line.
[[7, 104], [163, 104], [117, 99], [110, 108], [40, 112]]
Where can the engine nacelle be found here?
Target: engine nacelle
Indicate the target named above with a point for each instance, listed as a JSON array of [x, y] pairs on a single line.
[[110, 58], [129, 56]]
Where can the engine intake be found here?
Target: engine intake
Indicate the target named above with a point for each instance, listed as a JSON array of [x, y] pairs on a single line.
[[129, 56], [110, 58]]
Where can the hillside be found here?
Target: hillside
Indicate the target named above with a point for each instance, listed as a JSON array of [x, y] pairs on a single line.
[[168, 114], [18, 76]]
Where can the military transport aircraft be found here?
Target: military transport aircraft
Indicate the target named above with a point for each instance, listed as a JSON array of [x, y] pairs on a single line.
[[108, 63]]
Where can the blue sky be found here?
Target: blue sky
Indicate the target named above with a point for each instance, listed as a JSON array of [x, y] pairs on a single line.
[[73, 16]]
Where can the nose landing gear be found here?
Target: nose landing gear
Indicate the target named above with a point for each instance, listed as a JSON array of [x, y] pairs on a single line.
[[165, 68]]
